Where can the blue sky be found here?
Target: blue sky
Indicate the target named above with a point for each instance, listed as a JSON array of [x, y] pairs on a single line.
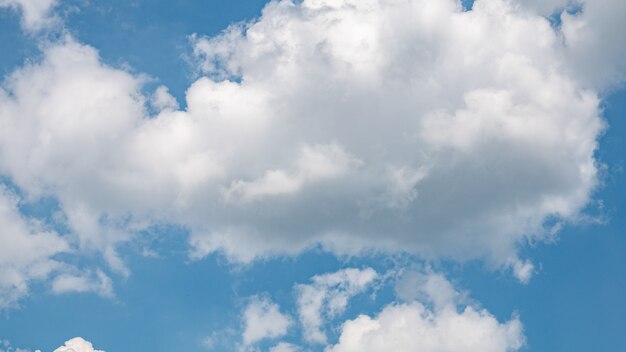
[[174, 185]]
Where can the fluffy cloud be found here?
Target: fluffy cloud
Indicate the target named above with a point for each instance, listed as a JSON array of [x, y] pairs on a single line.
[[412, 327], [97, 282], [381, 125], [263, 320], [434, 322], [77, 344], [35, 13], [327, 297], [27, 251]]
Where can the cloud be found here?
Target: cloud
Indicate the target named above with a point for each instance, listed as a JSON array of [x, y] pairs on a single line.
[[412, 327], [284, 347], [263, 320], [327, 297], [313, 163], [61, 126], [77, 344], [594, 44], [97, 282], [590, 33], [355, 125], [419, 326], [162, 100], [36, 14], [429, 288], [27, 252]]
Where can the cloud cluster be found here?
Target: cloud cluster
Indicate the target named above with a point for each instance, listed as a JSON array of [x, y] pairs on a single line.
[[430, 314]]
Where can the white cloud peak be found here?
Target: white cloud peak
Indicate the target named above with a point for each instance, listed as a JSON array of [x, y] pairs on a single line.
[[77, 344]]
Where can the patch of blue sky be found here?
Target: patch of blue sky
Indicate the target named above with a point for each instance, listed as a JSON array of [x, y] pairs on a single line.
[[467, 4], [16, 45], [573, 9]]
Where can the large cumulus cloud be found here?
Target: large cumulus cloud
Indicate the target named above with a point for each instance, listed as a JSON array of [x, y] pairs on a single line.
[[386, 125]]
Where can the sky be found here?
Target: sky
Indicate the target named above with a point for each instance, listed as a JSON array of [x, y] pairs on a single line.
[[315, 175]]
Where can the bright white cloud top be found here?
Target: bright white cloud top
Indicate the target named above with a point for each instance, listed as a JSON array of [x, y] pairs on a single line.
[[412, 327], [77, 344], [360, 126]]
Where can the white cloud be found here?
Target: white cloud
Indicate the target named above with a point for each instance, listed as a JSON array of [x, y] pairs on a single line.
[[162, 100], [595, 43], [429, 288], [412, 327], [27, 251], [444, 327], [591, 34], [327, 297], [62, 136], [362, 125], [523, 270], [97, 282], [36, 14], [284, 347], [263, 320], [77, 344]]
